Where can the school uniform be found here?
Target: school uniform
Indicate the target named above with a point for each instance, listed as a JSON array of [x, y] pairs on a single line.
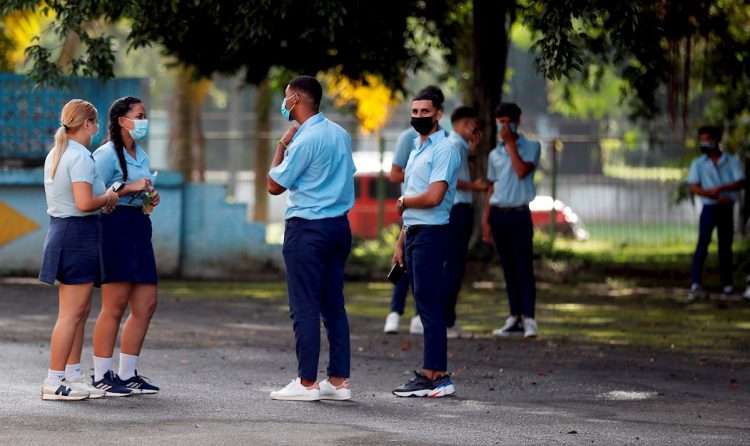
[[708, 175], [512, 228], [427, 240], [71, 248], [127, 252], [318, 173], [461, 227]]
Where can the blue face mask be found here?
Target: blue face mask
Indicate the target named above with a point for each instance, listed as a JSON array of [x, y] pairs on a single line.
[[285, 112], [139, 130]]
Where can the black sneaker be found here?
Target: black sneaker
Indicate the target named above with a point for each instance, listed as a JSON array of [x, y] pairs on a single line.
[[112, 384], [139, 384], [420, 386]]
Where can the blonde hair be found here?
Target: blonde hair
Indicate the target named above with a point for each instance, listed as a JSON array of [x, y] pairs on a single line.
[[73, 115]]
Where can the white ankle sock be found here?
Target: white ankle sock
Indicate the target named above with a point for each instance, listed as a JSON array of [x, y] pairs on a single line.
[[54, 377], [101, 366], [128, 364], [73, 372]]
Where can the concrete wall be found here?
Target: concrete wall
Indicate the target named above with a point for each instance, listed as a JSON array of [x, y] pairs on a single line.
[[197, 234]]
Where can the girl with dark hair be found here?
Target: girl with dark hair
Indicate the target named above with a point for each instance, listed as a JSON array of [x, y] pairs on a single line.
[[128, 264]]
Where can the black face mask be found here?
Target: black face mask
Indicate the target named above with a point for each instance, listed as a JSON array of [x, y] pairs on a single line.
[[423, 125], [708, 148]]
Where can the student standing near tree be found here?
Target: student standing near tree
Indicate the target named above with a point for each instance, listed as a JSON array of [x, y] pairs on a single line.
[[717, 177], [507, 217], [429, 187], [314, 163]]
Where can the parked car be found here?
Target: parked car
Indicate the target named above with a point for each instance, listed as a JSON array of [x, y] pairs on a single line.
[[364, 215]]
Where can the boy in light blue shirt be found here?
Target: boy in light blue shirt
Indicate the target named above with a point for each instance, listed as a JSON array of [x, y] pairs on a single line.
[[422, 248], [314, 163], [716, 177], [507, 218]]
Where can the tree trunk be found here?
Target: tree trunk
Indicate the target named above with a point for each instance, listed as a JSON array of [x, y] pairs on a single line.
[[263, 98], [180, 133]]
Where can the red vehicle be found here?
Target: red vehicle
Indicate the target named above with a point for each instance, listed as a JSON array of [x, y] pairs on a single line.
[[364, 215]]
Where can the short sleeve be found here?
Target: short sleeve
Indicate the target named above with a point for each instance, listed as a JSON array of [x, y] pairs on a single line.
[[296, 160], [82, 169], [738, 173], [404, 146], [693, 174], [533, 153], [445, 164], [105, 167], [491, 172]]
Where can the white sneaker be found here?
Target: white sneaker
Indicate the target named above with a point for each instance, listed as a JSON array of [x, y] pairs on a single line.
[[391, 323], [510, 327], [530, 328], [696, 292], [455, 332], [84, 385], [727, 293], [330, 392], [295, 391], [62, 392], [746, 296], [416, 327]]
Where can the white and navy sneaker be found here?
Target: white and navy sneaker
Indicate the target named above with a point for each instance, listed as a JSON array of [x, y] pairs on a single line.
[[421, 386], [83, 385], [530, 328], [512, 327], [295, 391], [330, 392], [140, 385], [416, 327], [696, 293], [112, 384], [62, 392]]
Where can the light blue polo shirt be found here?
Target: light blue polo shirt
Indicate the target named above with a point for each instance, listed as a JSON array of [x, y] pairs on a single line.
[[404, 146], [108, 166], [432, 161], [508, 189], [76, 165], [708, 175], [462, 147], [318, 171]]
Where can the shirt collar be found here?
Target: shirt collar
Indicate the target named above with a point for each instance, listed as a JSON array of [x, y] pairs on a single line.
[[459, 139], [76, 144], [140, 155], [311, 121], [435, 137]]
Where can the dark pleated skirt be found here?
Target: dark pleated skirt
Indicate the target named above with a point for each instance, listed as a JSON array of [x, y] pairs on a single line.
[[127, 253], [71, 251]]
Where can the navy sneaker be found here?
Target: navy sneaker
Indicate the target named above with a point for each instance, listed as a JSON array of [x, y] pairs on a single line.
[[112, 384], [139, 384], [419, 386]]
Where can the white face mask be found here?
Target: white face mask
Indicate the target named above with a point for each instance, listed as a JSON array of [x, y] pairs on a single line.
[[139, 130]]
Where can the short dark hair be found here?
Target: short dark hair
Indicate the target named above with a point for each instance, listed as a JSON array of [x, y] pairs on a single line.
[[431, 93], [464, 112], [714, 131], [508, 110], [308, 85]]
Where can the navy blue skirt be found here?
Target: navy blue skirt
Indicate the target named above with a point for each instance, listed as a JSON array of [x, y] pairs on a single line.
[[71, 251], [127, 253]]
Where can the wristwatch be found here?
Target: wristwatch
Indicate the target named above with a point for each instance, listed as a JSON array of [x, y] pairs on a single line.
[[117, 186], [400, 203]]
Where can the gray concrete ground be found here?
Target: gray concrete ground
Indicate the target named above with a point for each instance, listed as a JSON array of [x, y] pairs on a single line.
[[217, 360]]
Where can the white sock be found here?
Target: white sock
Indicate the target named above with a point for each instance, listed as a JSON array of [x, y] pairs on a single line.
[[73, 372], [54, 377], [101, 366], [128, 364]]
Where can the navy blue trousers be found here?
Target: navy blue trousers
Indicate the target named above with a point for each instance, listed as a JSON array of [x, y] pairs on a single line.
[[721, 217], [513, 233], [461, 226], [426, 253], [315, 252]]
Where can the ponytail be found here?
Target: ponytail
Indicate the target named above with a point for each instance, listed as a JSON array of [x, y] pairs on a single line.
[[61, 143], [118, 109]]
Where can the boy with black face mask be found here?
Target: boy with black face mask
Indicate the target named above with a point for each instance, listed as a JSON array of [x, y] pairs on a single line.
[[716, 177]]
